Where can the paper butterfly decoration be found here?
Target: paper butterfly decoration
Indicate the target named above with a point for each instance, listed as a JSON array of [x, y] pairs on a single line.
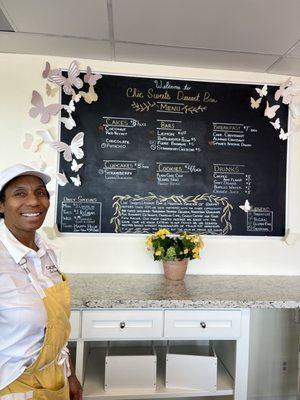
[[51, 91], [270, 112], [89, 96], [75, 166], [282, 89], [291, 238], [45, 135], [76, 97], [70, 108], [40, 109], [68, 122], [284, 135], [76, 180], [246, 207], [61, 178], [263, 91], [52, 232], [90, 78], [73, 148], [38, 164], [32, 143], [47, 71], [71, 80], [255, 103], [276, 124]]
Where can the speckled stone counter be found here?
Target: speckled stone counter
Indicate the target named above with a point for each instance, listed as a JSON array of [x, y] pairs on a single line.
[[197, 291]]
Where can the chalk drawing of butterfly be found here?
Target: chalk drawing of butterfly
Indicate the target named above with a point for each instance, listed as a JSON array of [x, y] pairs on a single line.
[[75, 166], [39, 108], [90, 78], [90, 96], [246, 207], [276, 124], [255, 103], [32, 143], [270, 112], [68, 82], [263, 91], [73, 148], [76, 180]]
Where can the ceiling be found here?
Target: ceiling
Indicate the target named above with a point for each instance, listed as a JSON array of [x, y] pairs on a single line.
[[245, 35]]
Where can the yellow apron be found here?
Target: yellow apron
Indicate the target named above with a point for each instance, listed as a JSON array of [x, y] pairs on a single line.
[[46, 378]]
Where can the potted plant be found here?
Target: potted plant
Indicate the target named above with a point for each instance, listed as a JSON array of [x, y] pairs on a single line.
[[174, 251]]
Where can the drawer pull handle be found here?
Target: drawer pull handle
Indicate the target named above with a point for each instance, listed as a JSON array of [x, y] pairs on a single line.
[[122, 325], [203, 324]]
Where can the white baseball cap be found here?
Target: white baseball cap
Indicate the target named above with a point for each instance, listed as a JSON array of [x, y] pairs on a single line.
[[18, 170]]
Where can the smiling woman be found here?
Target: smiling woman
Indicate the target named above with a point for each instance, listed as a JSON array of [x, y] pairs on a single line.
[[34, 296]]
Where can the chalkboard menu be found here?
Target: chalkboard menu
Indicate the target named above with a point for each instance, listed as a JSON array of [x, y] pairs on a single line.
[[183, 155]]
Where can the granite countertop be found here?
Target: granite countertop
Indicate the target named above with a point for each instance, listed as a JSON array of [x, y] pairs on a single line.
[[196, 291]]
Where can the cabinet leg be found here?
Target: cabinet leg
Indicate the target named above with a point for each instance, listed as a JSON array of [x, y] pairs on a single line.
[[242, 358]]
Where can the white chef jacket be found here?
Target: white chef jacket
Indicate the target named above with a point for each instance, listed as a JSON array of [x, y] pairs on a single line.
[[22, 313]]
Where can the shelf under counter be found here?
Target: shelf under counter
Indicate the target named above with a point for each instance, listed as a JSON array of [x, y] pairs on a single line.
[[93, 387]]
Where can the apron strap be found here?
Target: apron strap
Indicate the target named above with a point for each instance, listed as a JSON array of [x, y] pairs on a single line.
[[25, 267]]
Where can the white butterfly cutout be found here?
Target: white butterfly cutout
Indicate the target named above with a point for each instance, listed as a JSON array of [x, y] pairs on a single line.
[[246, 207], [279, 92], [61, 178], [70, 108], [73, 148], [76, 97], [262, 91], [75, 166], [68, 122], [71, 80], [32, 143], [276, 124], [284, 135], [270, 112], [38, 164], [255, 103], [76, 180], [45, 135]]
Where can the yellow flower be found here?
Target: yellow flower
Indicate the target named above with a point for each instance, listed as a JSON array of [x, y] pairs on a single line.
[[195, 250], [158, 253], [185, 251], [162, 233], [149, 242]]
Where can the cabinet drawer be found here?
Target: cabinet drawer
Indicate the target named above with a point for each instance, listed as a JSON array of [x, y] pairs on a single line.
[[75, 324], [122, 324], [202, 324]]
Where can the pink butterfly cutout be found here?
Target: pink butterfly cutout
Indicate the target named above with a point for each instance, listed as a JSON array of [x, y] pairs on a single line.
[[48, 70], [90, 78], [39, 108], [71, 80]]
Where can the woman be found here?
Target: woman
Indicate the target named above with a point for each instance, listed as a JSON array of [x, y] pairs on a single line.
[[34, 296]]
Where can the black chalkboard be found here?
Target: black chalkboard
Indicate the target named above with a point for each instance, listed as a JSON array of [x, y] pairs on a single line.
[[177, 154]]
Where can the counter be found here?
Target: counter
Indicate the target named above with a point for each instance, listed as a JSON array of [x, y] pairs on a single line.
[[196, 291]]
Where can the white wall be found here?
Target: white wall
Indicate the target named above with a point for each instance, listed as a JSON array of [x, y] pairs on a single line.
[[20, 74]]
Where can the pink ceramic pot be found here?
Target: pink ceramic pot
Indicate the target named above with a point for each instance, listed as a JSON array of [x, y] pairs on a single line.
[[175, 270]]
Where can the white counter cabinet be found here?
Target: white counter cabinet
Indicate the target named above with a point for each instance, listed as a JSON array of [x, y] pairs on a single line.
[[224, 330]]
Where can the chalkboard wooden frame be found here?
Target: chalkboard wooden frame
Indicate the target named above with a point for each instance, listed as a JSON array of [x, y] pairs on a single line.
[[252, 84]]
